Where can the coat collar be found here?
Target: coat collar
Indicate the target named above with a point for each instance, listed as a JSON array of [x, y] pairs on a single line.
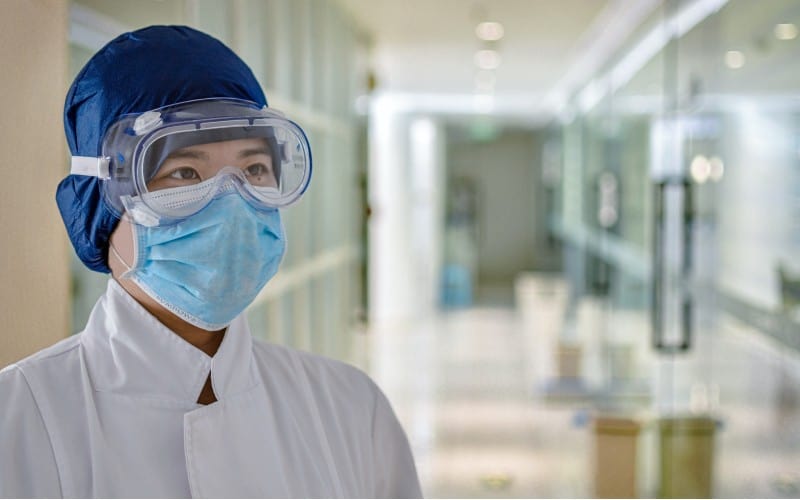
[[128, 351]]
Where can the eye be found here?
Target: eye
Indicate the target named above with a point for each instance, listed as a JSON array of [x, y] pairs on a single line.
[[184, 174], [258, 170]]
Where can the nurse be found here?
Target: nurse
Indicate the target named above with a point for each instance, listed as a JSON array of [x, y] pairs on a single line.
[[179, 172]]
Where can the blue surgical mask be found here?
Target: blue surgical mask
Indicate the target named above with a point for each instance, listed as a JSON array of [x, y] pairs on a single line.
[[209, 267]]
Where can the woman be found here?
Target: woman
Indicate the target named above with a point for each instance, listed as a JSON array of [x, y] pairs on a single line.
[[178, 173]]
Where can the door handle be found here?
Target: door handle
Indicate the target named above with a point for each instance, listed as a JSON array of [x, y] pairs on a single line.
[[673, 202]]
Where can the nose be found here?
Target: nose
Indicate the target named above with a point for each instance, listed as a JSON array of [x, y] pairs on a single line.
[[229, 171]]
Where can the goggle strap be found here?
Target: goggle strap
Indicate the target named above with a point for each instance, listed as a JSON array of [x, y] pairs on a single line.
[[91, 166]]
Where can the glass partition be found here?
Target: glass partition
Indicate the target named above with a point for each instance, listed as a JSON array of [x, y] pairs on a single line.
[[681, 210]]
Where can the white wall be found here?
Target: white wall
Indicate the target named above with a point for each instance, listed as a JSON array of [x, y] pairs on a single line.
[[406, 175], [760, 192], [505, 171], [428, 156]]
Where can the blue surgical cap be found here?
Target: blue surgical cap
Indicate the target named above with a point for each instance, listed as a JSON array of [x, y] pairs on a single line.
[[136, 72]]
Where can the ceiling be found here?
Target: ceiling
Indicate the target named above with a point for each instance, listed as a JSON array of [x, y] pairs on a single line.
[[550, 47], [553, 49]]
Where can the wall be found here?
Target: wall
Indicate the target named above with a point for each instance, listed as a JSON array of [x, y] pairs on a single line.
[[759, 227], [406, 172], [33, 262], [506, 172]]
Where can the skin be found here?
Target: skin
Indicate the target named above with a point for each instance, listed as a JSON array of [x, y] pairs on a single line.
[[185, 167]]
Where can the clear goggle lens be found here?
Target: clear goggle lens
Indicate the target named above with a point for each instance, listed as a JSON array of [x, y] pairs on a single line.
[[168, 164], [149, 208]]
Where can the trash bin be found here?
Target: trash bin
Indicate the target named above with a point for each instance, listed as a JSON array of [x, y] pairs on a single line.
[[615, 456], [686, 456]]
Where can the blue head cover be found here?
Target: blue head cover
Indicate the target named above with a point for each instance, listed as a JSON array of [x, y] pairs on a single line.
[[136, 72]]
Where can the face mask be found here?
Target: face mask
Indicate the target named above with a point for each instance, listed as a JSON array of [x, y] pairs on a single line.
[[209, 267]]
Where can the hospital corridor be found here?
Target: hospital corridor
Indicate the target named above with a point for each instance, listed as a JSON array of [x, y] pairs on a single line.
[[478, 430], [562, 237]]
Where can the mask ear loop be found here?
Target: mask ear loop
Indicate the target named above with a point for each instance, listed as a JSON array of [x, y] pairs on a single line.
[[119, 258], [128, 268]]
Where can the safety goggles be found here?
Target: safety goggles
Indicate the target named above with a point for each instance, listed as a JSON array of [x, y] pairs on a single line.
[[167, 164]]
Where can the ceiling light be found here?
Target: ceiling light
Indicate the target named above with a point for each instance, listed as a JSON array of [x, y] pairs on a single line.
[[734, 59], [490, 31], [700, 169], [717, 168], [487, 59], [785, 31]]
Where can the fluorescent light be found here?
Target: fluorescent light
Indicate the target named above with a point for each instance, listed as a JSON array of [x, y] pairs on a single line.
[[646, 48], [484, 103], [592, 94], [734, 59], [487, 59], [490, 31], [785, 31]]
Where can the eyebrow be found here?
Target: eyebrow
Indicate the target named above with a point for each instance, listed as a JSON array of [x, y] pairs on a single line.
[[185, 153], [253, 151], [182, 154]]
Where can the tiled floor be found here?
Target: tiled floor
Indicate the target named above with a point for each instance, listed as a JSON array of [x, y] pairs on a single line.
[[462, 385]]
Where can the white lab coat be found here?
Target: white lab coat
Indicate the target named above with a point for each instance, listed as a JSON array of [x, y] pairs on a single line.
[[112, 412]]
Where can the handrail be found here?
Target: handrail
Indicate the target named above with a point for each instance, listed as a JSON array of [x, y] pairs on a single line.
[[631, 259]]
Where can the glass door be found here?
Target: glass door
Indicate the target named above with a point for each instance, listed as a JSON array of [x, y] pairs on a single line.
[[688, 278], [725, 248]]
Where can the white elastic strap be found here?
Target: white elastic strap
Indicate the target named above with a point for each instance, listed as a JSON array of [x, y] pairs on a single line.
[[90, 165], [119, 257]]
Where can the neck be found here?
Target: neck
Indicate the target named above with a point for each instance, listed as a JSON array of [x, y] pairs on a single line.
[[205, 340]]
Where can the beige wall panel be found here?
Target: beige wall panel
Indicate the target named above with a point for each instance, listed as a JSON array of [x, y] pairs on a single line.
[[34, 265]]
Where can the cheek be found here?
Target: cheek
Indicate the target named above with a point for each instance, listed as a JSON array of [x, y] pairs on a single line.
[[122, 239]]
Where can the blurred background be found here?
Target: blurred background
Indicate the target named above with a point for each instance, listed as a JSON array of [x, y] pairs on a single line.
[[562, 236]]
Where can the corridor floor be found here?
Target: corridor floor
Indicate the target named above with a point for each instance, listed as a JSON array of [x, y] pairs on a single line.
[[458, 385], [461, 386]]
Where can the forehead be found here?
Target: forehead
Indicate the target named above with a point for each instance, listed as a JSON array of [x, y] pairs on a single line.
[[237, 147]]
